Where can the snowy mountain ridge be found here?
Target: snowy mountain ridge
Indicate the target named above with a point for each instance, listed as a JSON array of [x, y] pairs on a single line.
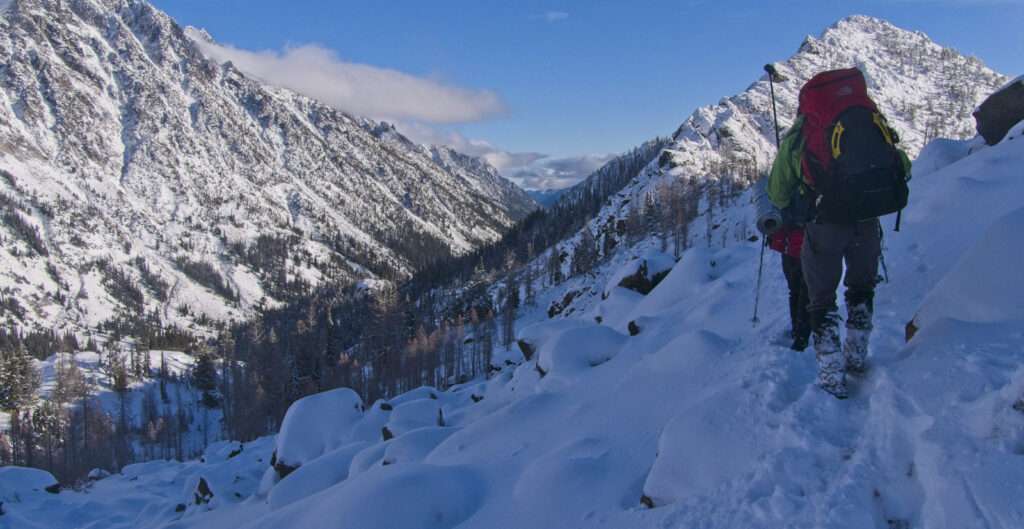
[[697, 419], [926, 91], [140, 177]]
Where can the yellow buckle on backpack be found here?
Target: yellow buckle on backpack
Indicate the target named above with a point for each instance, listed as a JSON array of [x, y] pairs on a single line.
[[880, 121], [837, 134]]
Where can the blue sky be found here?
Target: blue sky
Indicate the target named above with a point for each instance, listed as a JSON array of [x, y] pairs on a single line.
[[547, 90]]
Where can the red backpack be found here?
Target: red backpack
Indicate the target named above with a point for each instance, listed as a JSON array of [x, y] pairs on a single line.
[[850, 154]]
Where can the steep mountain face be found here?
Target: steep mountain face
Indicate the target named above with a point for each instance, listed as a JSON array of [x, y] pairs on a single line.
[[138, 176], [925, 90], [485, 179]]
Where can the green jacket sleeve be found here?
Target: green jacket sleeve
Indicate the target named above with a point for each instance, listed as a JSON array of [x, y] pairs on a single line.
[[787, 173], [906, 162]]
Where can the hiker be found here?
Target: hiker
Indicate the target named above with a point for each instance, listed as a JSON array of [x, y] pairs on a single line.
[[788, 241], [840, 159]]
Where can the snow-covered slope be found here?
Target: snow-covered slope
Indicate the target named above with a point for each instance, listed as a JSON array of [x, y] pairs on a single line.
[[925, 90], [708, 419], [700, 419], [138, 176]]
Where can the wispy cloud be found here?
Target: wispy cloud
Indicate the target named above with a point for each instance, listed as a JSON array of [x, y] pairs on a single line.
[[414, 104], [557, 173], [360, 89], [529, 170], [553, 16], [554, 173]]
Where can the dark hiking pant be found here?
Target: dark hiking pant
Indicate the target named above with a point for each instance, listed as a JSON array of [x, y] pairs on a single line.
[[826, 247], [798, 300]]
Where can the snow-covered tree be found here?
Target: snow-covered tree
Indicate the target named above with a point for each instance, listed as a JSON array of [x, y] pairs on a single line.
[[19, 379]]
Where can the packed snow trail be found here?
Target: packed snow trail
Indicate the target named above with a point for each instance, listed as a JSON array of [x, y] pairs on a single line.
[[936, 418]]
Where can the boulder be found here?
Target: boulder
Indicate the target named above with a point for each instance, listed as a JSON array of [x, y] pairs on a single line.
[[18, 482], [315, 425], [202, 494], [1001, 111]]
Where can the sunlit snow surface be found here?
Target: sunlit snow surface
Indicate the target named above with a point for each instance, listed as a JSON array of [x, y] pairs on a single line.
[[713, 420]]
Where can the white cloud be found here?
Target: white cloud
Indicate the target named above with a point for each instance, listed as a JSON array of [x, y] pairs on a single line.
[[532, 181], [500, 159], [411, 103], [578, 165], [558, 173], [529, 170], [552, 16], [360, 89]]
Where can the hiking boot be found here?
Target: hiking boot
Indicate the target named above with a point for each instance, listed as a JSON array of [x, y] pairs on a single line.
[[855, 351], [858, 330], [828, 350], [799, 343], [834, 382]]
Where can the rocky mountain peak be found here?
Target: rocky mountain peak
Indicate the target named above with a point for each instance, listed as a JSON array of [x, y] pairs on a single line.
[[925, 90], [141, 177]]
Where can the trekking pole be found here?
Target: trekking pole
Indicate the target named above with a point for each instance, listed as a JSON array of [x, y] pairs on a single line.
[[881, 253], [772, 74], [760, 270], [764, 239]]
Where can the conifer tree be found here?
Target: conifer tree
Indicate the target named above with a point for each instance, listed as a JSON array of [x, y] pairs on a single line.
[[162, 375], [118, 372], [70, 381], [226, 351], [554, 266], [204, 376], [19, 379], [584, 255], [48, 425], [508, 313]]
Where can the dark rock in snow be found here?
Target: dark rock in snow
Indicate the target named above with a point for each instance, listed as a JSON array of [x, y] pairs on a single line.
[[203, 494], [1001, 111], [527, 349], [280, 467], [642, 281]]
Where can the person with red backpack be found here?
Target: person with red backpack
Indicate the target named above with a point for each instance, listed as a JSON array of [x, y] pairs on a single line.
[[840, 159]]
